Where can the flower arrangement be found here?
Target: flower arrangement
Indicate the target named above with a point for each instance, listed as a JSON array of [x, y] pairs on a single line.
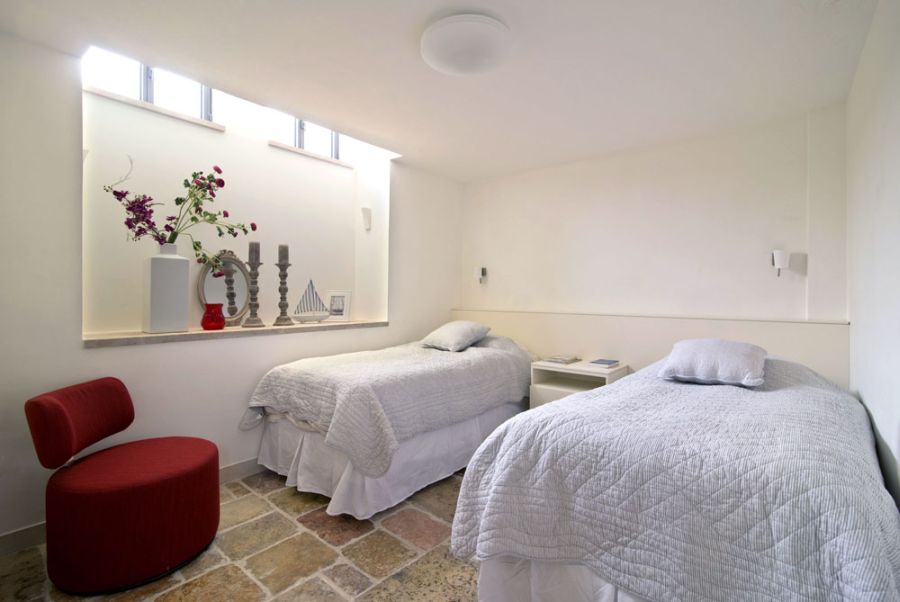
[[201, 189]]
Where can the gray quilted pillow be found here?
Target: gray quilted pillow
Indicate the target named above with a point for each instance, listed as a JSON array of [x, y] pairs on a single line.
[[715, 362], [456, 336]]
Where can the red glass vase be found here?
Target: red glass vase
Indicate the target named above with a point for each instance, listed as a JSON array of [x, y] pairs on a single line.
[[213, 318]]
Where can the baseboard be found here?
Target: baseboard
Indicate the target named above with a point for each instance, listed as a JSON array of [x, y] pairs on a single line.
[[23, 538], [36, 534], [240, 470]]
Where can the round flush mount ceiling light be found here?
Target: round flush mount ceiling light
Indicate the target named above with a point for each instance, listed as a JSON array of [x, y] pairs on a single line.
[[465, 44]]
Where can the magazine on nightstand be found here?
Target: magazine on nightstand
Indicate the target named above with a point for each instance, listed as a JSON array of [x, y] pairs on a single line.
[[563, 359], [604, 363]]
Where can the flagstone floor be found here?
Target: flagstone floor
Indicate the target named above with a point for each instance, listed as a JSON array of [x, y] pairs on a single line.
[[277, 544]]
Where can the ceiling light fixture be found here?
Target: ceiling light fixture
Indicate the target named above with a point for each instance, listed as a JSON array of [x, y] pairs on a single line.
[[465, 44]]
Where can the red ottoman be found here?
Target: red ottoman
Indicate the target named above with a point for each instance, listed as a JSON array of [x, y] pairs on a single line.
[[127, 514]]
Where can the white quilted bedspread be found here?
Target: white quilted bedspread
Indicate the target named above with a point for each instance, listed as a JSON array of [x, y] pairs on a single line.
[[692, 492], [366, 403]]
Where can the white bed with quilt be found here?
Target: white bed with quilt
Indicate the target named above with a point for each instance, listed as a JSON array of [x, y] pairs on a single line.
[[368, 429], [651, 489]]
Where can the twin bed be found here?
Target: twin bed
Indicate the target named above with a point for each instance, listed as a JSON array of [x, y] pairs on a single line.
[[369, 429], [642, 490], [654, 490]]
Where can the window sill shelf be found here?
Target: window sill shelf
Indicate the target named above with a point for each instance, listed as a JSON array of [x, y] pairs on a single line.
[[306, 153], [154, 108], [126, 339]]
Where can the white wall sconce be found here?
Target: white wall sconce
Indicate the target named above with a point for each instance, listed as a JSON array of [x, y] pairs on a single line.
[[480, 275], [781, 259], [367, 218]]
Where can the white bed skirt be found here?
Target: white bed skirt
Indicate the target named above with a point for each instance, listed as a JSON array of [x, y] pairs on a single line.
[[310, 465], [508, 579]]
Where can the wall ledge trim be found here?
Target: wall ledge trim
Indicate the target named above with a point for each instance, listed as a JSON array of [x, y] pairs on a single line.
[[306, 153], [642, 340], [147, 106], [125, 339], [650, 316]]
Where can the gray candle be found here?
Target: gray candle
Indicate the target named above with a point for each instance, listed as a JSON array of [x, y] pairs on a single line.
[[254, 252], [282, 253]]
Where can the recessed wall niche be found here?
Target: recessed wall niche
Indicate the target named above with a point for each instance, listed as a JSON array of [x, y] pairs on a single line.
[[311, 204]]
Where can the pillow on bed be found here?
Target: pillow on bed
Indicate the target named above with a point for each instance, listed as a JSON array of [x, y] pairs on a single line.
[[456, 336], [715, 362]]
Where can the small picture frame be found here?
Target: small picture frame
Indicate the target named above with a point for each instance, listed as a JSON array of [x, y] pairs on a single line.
[[339, 306]]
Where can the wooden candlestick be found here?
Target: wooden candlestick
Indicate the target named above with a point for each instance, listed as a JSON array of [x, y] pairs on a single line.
[[283, 318], [230, 295], [253, 320]]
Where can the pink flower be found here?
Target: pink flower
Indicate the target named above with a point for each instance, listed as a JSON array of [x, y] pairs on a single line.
[[253, 226], [225, 214], [220, 183], [217, 169], [218, 274], [197, 182]]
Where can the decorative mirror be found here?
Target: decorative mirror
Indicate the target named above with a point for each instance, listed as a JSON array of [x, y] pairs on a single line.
[[231, 290]]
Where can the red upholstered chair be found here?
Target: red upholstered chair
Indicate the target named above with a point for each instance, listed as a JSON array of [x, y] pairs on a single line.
[[127, 514]]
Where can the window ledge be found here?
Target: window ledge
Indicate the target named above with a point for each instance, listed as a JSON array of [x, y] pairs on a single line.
[[306, 153], [127, 339], [154, 108]]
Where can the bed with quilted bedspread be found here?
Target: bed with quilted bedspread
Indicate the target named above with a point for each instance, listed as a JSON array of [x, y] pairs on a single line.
[[676, 491]]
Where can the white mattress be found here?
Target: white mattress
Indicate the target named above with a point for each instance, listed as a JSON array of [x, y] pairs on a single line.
[[510, 579], [310, 465]]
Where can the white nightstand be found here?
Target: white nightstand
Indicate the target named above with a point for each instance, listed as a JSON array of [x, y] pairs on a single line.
[[551, 381]]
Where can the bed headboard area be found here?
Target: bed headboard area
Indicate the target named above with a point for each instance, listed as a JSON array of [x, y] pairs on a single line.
[[641, 340]]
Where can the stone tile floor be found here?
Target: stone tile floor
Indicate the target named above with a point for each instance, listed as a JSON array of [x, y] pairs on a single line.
[[277, 544]]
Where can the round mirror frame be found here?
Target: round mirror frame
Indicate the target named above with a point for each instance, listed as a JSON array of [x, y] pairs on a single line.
[[228, 258]]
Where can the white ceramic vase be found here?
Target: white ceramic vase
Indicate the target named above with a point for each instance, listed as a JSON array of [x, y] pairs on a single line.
[[166, 291]]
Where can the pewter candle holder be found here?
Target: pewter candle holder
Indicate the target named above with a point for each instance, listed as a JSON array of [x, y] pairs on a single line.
[[283, 318], [253, 320]]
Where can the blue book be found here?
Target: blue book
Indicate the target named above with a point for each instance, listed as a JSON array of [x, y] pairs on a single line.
[[606, 363]]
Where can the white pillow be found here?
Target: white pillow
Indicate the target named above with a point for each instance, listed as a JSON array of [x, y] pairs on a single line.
[[715, 362], [456, 336]]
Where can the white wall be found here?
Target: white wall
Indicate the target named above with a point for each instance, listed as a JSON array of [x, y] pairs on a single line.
[[681, 230], [873, 213], [196, 388], [373, 185]]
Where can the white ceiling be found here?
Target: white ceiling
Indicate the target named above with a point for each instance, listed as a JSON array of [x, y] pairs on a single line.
[[586, 77]]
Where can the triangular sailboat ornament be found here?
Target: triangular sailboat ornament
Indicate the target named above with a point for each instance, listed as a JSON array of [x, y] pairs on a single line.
[[310, 308]]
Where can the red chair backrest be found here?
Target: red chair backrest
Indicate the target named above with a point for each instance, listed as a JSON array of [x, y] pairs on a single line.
[[65, 421]]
